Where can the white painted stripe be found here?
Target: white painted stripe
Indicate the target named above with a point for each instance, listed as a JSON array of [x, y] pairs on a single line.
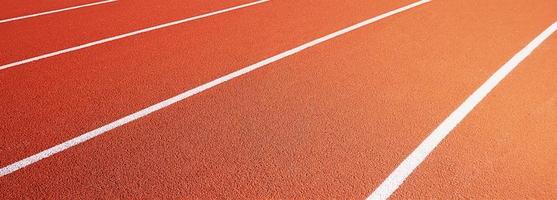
[[94, 133], [6, 66], [55, 11], [397, 177]]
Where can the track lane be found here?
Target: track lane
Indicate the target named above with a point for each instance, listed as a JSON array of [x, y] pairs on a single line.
[[414, 159], [110, 81], [49, 12], [15, 8], [191, 92], [130, 34], [506, 148], [33, 37], [253, 160]]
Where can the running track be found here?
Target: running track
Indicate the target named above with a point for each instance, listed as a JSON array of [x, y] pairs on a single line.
[[337, 118]]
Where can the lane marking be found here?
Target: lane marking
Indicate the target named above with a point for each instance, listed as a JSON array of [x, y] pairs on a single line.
[[55, 11], [409, 164], [6, 66], [139, 114]]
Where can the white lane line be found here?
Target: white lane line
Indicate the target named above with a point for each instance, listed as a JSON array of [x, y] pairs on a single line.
[[406, 167], [139, 114], [55, 11], [6, 66]]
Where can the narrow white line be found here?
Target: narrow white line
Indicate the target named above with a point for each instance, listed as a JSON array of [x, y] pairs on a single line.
[[6, 66], [407, 166], [55, 11], [94, 133]]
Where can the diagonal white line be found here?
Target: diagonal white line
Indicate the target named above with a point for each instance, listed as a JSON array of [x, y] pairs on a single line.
[[139, 114], [407, 166], [6, 66], [55, 11]]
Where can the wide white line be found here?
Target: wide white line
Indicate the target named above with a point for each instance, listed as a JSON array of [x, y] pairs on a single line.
[[55, 11], [397, 177], [94, 133], [6, 66]]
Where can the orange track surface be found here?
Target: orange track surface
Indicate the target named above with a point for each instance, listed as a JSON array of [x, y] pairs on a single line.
[[329, 122], [45, 34], [133, 73], [16, 8], [506, 149]]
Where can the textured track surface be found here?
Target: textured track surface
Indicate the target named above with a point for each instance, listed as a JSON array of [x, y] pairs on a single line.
[[332, 121], [506, 148], [16, 8]]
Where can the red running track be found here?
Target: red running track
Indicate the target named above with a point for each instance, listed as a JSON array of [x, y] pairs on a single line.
[[329, 122], [16, 8]]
